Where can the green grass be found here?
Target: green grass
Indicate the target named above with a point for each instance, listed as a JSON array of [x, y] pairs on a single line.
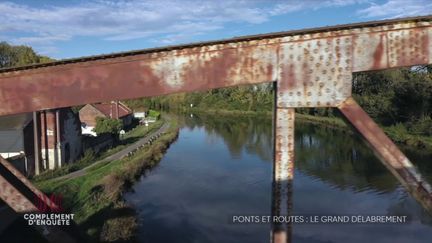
[[89, 157], [140, 131], [155, 114], [230, 112], [334, 122], [95, 198], [400, 135]]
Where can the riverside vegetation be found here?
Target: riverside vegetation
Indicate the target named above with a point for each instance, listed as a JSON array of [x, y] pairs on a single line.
[[96, 197]]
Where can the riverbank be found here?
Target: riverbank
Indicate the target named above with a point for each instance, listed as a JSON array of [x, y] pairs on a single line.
[[96, 197], [397, 133]]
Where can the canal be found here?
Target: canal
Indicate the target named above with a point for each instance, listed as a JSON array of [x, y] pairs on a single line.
[[222, 166]]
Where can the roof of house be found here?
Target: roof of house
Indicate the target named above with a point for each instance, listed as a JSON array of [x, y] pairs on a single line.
[[11, 132], [15, 122], [108, 109]]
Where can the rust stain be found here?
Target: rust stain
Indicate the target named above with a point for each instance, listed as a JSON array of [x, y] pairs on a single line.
[[378, 54], [412, 47], [211, 72], [209, 65], [288, 77], [283, 171], [313, 75], [20, 199]]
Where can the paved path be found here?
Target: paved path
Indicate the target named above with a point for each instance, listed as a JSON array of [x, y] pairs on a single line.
[[119, 155]]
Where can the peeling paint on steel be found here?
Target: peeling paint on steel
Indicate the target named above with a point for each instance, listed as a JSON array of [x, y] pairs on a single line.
[[312, 67], [370, 52], [283, 171], [13, 198], [315, 73], [408, 47]]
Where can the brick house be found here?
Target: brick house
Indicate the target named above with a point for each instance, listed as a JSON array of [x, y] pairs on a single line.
[[56, 141], [60, 137], [113, 110]]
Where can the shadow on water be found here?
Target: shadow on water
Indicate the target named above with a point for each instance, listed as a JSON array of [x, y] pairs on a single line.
[[221, 166]]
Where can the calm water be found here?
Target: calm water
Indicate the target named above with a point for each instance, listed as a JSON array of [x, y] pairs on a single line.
[[221, 166]]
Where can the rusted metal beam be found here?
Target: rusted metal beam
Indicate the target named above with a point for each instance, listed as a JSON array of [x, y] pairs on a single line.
[[19, 193], [283, 173], [313, 67], [395, 161], [308, 31]]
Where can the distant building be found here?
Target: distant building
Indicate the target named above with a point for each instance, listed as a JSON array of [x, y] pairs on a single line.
[[58, 139], [139, 114], [114, 110]]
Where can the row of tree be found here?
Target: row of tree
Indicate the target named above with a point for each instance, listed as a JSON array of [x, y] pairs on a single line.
[[399, 96]]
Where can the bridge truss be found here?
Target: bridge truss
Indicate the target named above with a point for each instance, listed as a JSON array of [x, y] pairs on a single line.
[[310, 68]]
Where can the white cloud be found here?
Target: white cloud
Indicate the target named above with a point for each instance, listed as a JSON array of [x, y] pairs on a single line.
[[283, 7], [124, 19], [42, 39], [397, 9], [168, 21]]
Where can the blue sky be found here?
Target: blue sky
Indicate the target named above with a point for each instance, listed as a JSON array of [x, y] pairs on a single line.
[[74, 28]]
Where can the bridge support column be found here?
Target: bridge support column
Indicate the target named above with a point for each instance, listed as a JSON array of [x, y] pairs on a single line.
[[283, 172], [398, 164], [37, 143]]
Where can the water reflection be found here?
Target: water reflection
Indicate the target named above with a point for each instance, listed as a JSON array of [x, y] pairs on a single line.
[[240, 134], [340, 160], [221, 166]]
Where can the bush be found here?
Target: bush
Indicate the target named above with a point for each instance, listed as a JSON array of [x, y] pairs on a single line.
[[397, 132], [107, 125], [155, 114], [422, 127]]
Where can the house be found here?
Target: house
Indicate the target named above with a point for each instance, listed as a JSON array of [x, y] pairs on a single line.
[[55, 141], [16, 140], [60, 137], [113, 110]]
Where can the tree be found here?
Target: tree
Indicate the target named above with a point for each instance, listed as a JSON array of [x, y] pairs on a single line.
[[11, 56], [107, 125]]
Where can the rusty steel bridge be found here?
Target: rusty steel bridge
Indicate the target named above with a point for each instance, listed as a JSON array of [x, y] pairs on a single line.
[[309, 68]]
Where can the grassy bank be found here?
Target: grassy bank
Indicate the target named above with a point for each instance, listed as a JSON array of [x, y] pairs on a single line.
[[397, 133], [96, 198], [90, 157], [229, 112]]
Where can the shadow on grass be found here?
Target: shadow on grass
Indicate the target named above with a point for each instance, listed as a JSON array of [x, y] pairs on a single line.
[[115, 223]]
